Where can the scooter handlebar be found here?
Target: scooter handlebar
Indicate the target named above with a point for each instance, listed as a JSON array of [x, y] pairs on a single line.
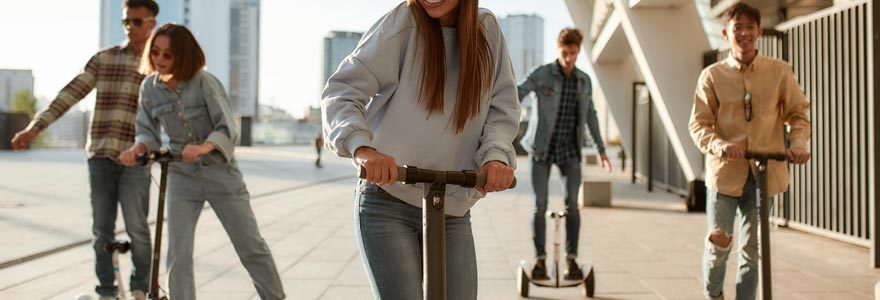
[[768, 156], [464, 178], [162, 155]]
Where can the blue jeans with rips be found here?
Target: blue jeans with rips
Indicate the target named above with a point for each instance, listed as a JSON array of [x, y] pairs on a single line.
[[720, 214]]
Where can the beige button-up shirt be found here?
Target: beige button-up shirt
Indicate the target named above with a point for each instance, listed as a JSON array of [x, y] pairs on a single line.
[[719, 119]]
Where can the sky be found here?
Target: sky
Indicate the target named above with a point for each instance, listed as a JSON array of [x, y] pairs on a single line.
[[55, 38]]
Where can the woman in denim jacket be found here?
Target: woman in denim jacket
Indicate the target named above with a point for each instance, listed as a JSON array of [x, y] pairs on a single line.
[[191, 105]]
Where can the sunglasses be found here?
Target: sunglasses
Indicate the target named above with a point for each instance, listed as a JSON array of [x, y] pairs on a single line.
[[165, 55], [136, 21], [747, 98]]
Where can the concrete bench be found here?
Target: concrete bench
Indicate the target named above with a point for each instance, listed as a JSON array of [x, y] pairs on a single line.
[[595, 193], [591, 159]]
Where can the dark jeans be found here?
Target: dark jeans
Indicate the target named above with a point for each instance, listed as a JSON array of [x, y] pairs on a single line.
[[114, 185], [571, 177]]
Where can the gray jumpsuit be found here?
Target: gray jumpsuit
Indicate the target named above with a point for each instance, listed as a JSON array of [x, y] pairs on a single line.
[[197, 112]]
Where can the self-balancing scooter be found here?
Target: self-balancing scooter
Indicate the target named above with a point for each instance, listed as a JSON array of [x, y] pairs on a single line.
[[434, 219], [555, 278]]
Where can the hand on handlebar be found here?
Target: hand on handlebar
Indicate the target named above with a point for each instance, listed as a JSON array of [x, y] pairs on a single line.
[[499, 177], [797, 155], [381, 168], [192, 152], [129, 156], [733, 152]]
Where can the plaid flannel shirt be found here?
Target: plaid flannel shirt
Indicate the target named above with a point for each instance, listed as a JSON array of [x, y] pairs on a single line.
[[114, 73], [563, 143]]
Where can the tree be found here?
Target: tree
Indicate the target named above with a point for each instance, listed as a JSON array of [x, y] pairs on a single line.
[[25, 102]]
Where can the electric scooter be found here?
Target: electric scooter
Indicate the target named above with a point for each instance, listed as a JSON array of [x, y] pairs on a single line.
[[761, 160], [555, 278], [115, 248], [163, 157], [434, 219]]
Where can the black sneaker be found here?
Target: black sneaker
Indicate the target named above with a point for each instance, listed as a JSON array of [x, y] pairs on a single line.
[[574, 271], [539, 271]]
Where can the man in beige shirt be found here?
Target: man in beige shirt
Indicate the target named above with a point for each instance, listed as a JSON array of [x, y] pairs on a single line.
[[742, 104]]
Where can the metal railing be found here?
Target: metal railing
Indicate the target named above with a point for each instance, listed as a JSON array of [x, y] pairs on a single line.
[[654, 161]]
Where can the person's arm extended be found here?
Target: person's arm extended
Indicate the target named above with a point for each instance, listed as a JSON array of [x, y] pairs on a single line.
[[73, 92], [702, 122]]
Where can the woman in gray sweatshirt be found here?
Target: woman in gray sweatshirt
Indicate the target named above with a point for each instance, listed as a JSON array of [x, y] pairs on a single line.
[[429, 85]]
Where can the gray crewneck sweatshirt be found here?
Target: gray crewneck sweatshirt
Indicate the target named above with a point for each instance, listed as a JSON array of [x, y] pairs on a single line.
[[373, 100]]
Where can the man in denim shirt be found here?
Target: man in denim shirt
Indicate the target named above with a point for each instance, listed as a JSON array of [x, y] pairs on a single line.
[[555, 136]]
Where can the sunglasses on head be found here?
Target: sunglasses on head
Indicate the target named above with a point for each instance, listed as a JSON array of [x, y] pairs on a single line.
[[155, 53], [136, 21]]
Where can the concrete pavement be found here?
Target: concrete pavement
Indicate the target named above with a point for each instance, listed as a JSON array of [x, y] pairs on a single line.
[[645, 247]]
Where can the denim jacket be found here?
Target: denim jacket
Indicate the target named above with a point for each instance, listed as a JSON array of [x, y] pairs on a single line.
[[546, 82], [198, 112]]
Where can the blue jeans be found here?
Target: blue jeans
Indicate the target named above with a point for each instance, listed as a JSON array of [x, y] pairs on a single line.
[[115, 185], [720, 215], [222, 185], [571, 177], [389, 232]]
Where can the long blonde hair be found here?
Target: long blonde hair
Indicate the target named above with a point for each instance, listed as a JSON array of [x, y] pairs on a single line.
[[476, 71]]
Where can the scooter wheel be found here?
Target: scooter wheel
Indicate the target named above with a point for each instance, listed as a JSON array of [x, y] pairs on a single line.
[[590, 284], [523, 283], [83, 297]]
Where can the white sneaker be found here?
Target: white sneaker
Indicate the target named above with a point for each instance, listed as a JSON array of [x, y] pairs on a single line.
[[138, 295]]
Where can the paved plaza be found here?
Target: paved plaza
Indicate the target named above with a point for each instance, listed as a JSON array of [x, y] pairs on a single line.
[[644, 247]]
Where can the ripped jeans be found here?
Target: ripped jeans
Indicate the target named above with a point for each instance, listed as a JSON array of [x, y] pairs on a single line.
[[720, 215]]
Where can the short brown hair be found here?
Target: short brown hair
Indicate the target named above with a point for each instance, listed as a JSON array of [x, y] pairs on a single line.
[[149, 4], [188, 55], [570, 36], [741, 9]]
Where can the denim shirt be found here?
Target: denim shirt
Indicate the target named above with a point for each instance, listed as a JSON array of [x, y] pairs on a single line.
[[198, 112], [546, 82]]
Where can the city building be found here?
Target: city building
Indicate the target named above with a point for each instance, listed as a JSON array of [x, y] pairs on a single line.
[[337, 46]]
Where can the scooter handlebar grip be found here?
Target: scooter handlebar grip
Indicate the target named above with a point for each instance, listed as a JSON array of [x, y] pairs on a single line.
[[481, 181], [401, 173]]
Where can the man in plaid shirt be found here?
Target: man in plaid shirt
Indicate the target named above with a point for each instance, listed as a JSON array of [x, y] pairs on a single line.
[[114, 73], [555, 136]]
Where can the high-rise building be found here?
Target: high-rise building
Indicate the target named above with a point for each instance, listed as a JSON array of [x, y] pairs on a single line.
[[13, 82], [525, 42], [337, 46], [229, 33], [524, 35]]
